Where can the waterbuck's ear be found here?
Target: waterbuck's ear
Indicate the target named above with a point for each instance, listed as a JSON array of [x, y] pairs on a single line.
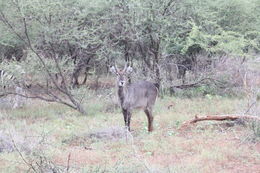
[[129, 70], [113, 70]]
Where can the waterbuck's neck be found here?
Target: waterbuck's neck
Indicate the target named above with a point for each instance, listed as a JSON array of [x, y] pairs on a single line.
[[121, 94]]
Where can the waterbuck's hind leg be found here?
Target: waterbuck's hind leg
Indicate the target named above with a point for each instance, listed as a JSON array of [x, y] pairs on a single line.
[[149, 115], [127, 118]]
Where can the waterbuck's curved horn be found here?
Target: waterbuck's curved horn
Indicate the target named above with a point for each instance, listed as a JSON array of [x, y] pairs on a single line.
[[126, 65], [116, 67]]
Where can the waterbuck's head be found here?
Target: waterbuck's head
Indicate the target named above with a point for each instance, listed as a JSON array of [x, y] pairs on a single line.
[[121, 74]]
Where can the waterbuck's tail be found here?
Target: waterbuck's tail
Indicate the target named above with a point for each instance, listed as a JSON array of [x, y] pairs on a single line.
[[157, 85]]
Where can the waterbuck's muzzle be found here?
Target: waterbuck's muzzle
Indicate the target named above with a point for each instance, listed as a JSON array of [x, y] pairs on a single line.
[[121, 83]]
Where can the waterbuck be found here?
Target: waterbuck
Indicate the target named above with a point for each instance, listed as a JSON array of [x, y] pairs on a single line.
[[139, 95]]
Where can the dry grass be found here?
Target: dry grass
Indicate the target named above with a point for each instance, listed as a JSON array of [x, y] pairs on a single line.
[[208, 147]]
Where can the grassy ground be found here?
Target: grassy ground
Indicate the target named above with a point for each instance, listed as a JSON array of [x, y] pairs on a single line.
[[58, 134]]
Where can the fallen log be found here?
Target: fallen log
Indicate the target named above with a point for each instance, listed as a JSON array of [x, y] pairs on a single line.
[[219, 118], [201, 82]]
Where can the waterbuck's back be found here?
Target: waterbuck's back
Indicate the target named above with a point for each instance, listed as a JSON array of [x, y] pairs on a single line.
[[141, 94]]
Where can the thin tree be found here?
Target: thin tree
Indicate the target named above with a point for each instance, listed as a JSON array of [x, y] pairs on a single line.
[[50, 96]]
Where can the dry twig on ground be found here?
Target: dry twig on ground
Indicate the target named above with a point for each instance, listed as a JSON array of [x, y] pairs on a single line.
[[218, 118]]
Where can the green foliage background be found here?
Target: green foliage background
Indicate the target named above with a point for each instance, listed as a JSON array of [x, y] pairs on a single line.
[[91, 35], [215, 26]]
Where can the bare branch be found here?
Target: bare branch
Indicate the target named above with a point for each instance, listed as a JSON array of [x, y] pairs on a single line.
[[7, 23], [30, 165], [169, 4], [68, 163], [54, 99]]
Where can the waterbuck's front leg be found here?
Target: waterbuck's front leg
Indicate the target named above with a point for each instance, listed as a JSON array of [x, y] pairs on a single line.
[[127, 118]]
